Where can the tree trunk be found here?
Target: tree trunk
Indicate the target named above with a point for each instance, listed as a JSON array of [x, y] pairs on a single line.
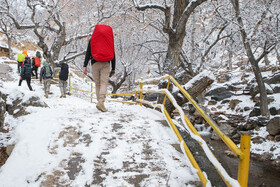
[[266, 60], [263, 94], [175, 39], [192, 39], [176, 30], [252, 60], [230, 54], [278, 56], [10, 47], [173, 53]]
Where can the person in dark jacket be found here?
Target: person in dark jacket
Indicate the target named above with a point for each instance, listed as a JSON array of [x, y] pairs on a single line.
[[63, 76], [34, 68], [100, 51], [25, 73]]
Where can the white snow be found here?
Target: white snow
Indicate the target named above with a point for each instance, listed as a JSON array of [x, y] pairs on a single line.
[[129, 139], [267, 146], [48, 138]]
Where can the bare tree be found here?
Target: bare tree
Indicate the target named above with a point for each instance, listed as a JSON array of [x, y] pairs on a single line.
[[174, 26], [45, 20], [268, 45], [48, 22], [6, 28]]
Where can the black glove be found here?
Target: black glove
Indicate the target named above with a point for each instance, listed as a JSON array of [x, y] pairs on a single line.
[[112, 73]]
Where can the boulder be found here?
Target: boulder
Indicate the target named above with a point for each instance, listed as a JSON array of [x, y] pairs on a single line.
[[246, 108], [258, 140], [254, 90], [274, 79], [255, 112], [223, 78], [233, 103], [274, 111], [221, 96], [212, 102], [18, 107], [234, 88], [3, 98], [273, 126], [277, 138], [216, 91], [276, 88], [254, 122], [226, 129], [225, 101]]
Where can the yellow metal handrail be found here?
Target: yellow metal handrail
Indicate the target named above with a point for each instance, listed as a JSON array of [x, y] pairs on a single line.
[[243, 152], [193, 130]]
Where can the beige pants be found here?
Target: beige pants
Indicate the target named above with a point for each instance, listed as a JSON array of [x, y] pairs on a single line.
[[47, 85], [62, 85], [101, 72]]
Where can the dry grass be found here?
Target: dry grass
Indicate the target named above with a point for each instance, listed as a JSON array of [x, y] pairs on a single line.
[[25, 45]]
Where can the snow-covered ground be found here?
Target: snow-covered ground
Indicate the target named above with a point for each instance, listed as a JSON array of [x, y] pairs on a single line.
[[72, 143]]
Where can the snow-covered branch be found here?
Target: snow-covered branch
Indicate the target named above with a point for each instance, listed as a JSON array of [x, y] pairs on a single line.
[[187, 12], [78, 37], [149, 6], [69, 58]]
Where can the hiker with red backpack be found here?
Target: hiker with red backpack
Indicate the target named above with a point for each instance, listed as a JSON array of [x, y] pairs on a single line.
[[36, 63], [101, 52]]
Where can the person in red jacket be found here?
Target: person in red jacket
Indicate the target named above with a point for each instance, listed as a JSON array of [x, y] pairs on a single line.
[[101, 52]]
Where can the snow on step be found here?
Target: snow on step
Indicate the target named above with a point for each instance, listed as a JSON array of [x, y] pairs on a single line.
[[72, 143]]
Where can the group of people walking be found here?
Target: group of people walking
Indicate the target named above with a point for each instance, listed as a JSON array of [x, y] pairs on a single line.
[[100, 52], [28, 67]]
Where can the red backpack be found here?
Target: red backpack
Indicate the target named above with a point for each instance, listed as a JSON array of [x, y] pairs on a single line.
[[102, 43], [37, 62]]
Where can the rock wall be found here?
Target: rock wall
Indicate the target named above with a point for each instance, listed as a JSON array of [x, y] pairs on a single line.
[[16, 108], [2, 110]]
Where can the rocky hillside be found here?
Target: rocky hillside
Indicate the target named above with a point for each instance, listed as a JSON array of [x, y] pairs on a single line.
[[233, 102]]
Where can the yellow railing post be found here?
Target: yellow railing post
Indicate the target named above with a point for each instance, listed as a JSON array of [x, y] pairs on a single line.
[[69, 84], [243, 168], [167, 87], [91, 90], [141, 88]]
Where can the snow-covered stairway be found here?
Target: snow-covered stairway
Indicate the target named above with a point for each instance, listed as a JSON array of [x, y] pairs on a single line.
[[71, 143]]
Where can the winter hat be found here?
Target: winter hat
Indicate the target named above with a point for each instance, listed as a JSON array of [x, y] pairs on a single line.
[[25, 52], [27, 60]]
